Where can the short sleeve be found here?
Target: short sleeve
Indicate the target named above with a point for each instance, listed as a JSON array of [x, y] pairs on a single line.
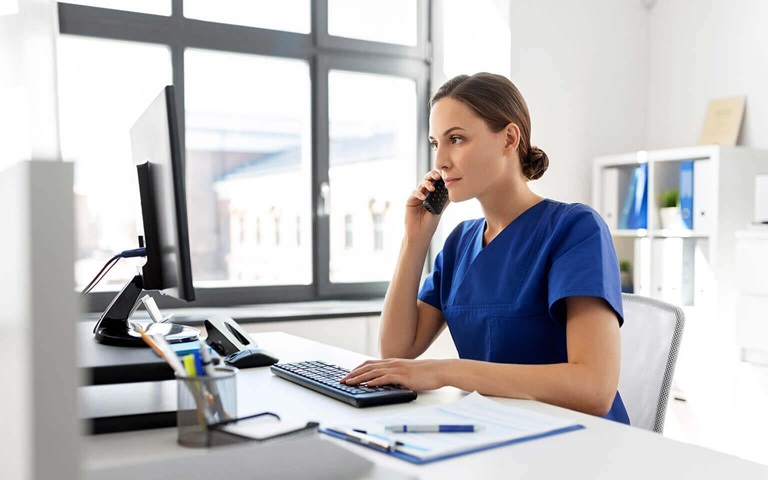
[[584, 263], [430, 289]]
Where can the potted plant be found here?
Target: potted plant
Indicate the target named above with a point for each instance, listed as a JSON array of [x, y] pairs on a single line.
[[625, 270], [669, 213]]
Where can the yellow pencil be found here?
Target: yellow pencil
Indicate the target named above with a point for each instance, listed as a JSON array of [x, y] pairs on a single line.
[[148, 340]]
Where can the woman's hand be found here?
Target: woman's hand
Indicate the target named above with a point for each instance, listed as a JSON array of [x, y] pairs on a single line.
[[413, 374], [419, 223]]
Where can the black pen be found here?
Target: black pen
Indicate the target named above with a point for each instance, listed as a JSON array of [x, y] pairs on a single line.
[[362, 437]]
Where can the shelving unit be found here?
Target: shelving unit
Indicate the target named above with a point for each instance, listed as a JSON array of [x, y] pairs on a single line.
[[685, 267], [693, 268]]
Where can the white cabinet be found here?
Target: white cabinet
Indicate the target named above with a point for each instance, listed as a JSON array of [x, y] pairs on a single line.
[[684, 266], [752, 299]]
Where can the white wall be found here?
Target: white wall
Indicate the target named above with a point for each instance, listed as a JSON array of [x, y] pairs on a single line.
[[582, 67], [28, 109], [700, 50]]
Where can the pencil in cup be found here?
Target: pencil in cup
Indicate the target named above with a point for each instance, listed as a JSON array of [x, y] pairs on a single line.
[[195, 399], [160, 345]]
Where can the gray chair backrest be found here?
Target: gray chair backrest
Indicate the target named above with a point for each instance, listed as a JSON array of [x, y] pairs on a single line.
[[650, 340]]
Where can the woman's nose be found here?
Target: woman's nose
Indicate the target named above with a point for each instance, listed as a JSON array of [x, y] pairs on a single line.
[[442, 162]]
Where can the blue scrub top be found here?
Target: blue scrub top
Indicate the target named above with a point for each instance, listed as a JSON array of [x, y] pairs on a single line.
[[505, 302]]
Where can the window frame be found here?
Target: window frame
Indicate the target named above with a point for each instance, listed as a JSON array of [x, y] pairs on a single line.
[[323, 53]]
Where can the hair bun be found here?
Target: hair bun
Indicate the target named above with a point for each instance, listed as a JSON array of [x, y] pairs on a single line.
[[535, 163]]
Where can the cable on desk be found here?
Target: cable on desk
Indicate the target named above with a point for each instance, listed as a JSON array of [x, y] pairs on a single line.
[[136, 252]]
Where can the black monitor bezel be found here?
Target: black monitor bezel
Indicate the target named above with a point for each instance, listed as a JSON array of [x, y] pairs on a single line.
[[155, 273]]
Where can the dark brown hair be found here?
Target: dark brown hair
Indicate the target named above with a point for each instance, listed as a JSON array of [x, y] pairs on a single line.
[[498, 102]]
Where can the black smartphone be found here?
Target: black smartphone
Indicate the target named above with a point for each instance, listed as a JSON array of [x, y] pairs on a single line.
[[435, 201]]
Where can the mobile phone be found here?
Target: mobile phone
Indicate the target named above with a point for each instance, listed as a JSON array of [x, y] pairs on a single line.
[[435, 201]]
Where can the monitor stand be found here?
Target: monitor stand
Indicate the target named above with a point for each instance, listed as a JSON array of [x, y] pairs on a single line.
[[113, 328]]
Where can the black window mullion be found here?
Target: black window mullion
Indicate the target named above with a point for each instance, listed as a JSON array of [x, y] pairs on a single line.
[[249, 40], [116, 24], [320, 170]]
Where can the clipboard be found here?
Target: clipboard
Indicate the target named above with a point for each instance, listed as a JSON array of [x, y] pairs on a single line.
[[495, 425], [422, 461]]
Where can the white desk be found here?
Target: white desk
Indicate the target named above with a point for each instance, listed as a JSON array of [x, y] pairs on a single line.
[[603, 450]]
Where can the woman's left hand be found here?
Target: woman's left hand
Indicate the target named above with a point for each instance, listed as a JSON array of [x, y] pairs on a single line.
[[413, 374]]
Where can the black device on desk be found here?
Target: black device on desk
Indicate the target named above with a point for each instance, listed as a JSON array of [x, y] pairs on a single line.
[[159, 160], [229, 340], [324, 378]]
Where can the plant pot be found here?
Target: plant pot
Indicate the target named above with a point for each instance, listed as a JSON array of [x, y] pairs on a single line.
[[671, 218], [626, 282]]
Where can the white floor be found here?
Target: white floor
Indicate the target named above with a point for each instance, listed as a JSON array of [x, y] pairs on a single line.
[[731, 418], [726, 400]]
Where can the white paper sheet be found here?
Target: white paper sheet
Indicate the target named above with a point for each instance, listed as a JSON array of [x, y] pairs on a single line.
[[496, 424]]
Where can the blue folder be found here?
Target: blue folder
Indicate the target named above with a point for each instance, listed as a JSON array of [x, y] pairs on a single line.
[[412, 459], [629, 200], [686, 193], [638, 215]]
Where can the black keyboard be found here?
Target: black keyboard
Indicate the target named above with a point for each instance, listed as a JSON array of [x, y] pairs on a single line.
[[324, 378]]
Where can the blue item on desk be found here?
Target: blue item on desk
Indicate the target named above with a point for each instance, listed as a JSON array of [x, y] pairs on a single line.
[[250, 357], [185, 348]]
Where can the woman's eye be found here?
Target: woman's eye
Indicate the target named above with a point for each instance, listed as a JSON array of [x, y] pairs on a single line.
[[433, 145], [456, 140]]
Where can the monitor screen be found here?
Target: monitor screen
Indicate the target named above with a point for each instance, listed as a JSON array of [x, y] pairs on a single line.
[[159, 159]]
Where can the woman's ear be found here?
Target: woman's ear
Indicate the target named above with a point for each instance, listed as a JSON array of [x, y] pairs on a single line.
[[512, 137]]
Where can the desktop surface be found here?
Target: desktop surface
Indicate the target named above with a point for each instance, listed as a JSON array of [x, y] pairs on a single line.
[[107, 364], [602, 450]]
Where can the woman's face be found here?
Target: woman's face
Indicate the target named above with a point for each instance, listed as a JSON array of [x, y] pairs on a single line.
[[470, 157]]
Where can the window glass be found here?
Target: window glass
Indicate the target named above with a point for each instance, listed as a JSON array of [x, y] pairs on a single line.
[[393, 21], [372, 171], [248, 127], [157, 7], [104, 86], [287, 15]]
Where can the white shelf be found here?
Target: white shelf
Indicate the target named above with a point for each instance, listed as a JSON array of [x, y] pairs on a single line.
[[677, 233], [702, 270], [639, 233]]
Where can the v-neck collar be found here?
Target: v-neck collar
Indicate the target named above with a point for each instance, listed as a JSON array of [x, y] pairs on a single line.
[[478, 247], [475, 247]]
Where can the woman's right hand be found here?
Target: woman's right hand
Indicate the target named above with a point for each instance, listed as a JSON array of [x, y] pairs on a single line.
[[420, 224]]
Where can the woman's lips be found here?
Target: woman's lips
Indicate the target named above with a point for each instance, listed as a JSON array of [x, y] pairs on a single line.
[[450, 181]]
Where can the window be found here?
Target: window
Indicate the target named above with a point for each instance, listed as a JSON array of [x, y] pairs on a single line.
[[94, 135], [285, 15], [292, 129], [393, 21], [248, 144], [156, 7], [371, 168]]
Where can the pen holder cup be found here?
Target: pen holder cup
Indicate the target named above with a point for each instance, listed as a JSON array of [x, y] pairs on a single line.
[[203, 401]]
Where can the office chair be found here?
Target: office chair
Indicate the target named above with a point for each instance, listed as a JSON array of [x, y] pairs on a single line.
[[650, 340]]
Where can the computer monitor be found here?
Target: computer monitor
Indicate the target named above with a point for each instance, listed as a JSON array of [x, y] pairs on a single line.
[[159, 160]]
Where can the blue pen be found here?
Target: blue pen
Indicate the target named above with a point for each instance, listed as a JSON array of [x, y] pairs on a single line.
[[429, 428], [199, 367]]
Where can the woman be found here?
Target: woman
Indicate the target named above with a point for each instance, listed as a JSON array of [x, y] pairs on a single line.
[[531, 293]]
